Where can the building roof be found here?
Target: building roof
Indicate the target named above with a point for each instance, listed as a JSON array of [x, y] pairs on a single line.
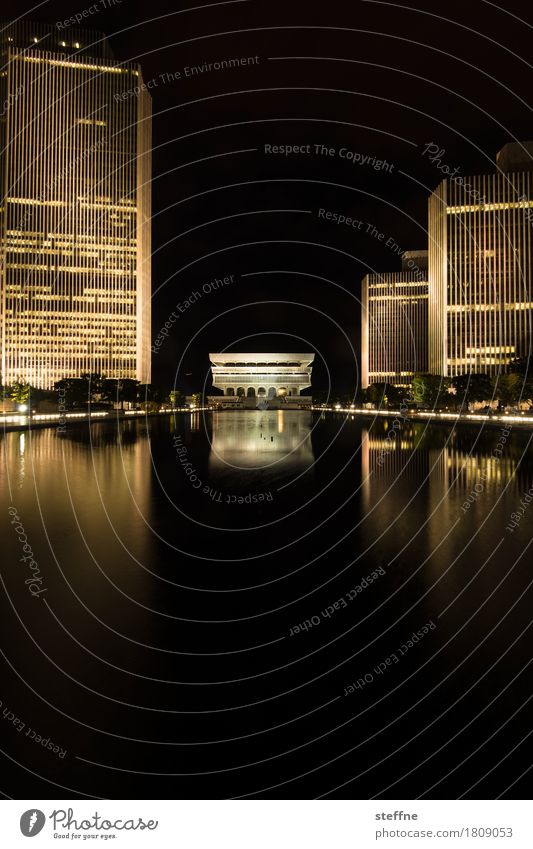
[[238, 359], [61, 38]]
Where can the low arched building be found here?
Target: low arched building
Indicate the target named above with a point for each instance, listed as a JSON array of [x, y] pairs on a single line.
[[274, 378]]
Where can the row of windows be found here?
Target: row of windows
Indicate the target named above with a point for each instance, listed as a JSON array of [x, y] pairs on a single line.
[[256, 365], [271, 392]]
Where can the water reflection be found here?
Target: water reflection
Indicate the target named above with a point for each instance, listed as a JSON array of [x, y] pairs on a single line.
[[453, 462], [101, 509], [441, 498], [271, 441], [85, 493]]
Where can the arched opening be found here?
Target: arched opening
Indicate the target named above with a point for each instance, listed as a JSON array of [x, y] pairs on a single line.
[[261, 391], [282, 390], [271, 391], [230, 390], [251, 392], [240, 391]]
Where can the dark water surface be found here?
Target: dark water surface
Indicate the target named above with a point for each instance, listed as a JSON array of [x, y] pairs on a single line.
[[224, 605]]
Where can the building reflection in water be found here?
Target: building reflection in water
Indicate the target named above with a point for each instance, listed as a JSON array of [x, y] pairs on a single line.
[[448, 463], [440, 499], [271, 443], [86, 491]]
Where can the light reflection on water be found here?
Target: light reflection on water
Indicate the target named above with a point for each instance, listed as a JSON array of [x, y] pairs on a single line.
[[261, 440], [134, 580]]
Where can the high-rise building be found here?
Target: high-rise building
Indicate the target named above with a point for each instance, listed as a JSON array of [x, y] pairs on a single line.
[[75, 169], [480, 267], [394, 320]]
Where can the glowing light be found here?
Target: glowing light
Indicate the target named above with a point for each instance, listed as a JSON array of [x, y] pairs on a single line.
[[84, 303]]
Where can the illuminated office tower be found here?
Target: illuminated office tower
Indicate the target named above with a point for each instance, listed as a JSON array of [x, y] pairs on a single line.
[[480, 298], [394, 319], [75, 157]]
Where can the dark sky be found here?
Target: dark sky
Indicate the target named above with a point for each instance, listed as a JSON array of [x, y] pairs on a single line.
[[380, 79]]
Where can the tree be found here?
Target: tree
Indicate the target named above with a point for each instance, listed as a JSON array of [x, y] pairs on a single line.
[[197, 399], [74, 391], [20, 393], [383, 394], [128, 390], [508, 388], [95, 383], [524, 368], [150, 397], [430, 389], [109, 390], [470, 388], [176, 398], [119, 391], [151, 392]]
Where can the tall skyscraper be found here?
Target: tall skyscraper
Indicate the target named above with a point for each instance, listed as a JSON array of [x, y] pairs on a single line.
[[394, 320], [480, 267], [75, 170]]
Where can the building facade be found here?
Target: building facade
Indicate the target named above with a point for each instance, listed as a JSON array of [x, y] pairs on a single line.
[[480, 266], [394, 323], [262, 377], [75, 169]]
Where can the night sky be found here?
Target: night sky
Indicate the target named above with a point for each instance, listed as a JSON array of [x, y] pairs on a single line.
[[167, 656], [380, 79]]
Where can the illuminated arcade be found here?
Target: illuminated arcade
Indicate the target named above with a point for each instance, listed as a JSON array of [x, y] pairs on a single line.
[[251, 380]]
